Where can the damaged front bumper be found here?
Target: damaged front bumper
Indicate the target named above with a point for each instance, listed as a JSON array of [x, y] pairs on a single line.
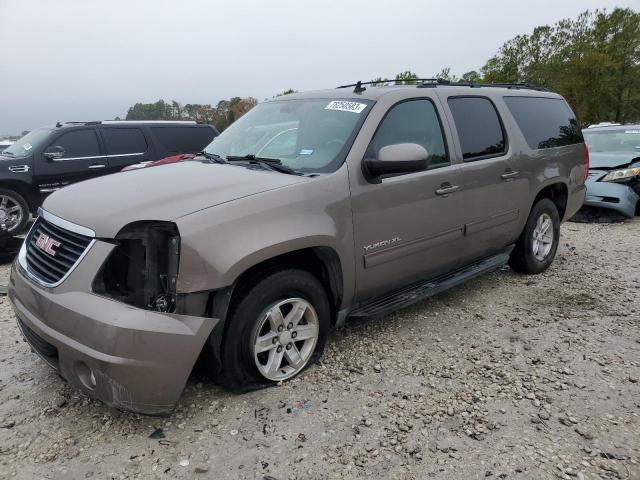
[[130, 358], [620, 197]]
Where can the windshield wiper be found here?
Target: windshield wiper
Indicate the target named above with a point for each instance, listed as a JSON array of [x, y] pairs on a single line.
[[211, 156], [272, 163], [8, 153]]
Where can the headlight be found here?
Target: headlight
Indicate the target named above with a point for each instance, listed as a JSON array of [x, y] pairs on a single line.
[[142, 269], [621, 175]]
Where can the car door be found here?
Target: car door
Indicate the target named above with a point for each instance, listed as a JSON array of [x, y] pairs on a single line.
[[72, 156], [406, 227], [491, 192], [125, 146]]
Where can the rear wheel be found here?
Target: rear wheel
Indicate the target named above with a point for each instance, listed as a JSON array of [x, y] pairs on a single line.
[[536, 248], [14, 213], [276, 329]]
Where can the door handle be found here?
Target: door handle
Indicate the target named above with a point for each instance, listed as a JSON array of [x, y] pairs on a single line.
[[509, 174], [447, 188], [97, 165]]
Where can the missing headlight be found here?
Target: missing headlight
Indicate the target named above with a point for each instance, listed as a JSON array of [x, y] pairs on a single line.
[[142, 269]]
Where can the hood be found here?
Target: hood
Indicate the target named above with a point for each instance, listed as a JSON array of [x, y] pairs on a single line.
[[106, 204], [608, 160]]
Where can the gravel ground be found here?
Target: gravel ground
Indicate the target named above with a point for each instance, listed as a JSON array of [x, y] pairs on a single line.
[[508, 376]]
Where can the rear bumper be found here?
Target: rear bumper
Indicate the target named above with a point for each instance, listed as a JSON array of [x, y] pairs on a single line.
[[614, 196], [131, 359]]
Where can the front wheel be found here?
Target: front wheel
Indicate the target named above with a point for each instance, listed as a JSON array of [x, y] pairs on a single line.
[[14, 213], [276, 329], [536, 248]]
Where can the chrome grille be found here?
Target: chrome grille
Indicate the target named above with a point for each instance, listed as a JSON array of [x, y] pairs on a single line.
[[51, 252]]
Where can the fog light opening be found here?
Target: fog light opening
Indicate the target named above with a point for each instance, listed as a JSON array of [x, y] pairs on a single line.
[[86, 375]]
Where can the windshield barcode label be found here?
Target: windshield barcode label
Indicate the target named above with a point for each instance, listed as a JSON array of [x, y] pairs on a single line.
[[354, 107]]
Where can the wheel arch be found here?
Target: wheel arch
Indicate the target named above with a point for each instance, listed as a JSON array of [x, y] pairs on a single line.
[[557, 191], [323, 262], [24, 190]]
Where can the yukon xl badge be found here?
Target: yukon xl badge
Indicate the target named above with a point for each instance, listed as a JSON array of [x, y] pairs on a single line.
[[382, 243], [47, 244]]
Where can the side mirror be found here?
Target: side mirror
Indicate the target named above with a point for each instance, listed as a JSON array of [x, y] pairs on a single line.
[[397, 158], [54, 153]]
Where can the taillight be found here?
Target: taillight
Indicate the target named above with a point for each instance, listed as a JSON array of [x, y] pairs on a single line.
[[586, 161]]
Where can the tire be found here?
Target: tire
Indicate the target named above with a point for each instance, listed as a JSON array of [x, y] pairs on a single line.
[[523, 258], [9, 201], [254, 317]]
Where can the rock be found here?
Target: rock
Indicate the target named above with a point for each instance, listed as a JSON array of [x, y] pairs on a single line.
[[8, 424], [584, 433], [184, 463], [377, 368], [633, 379], [201, 468]]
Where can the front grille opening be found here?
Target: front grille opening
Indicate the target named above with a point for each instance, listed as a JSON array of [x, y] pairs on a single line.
[[52, 251], [142, 269], [44, 348]]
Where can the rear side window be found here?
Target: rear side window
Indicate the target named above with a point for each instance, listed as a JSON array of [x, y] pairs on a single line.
[[414, 121], [545, 122], [78, 143], [183, 139], [124, 141], [479, 128]]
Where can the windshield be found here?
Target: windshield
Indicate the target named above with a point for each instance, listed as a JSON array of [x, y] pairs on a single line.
[[311, 136], [25, 145], [613, 140]]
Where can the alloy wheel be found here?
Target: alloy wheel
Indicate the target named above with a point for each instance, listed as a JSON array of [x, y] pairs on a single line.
[[285, 338], [10, 213], [542, 237]]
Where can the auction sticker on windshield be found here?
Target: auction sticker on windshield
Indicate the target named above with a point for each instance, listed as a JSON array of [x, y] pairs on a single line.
[[354, 107], [27, 146]]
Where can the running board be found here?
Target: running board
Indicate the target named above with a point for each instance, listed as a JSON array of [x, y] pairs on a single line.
[[419, 291]]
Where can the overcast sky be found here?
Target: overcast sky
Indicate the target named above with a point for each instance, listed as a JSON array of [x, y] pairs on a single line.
[[88, 60]]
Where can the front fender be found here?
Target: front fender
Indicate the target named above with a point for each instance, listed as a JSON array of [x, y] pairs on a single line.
[[222, 242]]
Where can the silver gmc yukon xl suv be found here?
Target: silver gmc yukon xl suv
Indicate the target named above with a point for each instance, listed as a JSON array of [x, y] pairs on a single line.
[[310, 209]]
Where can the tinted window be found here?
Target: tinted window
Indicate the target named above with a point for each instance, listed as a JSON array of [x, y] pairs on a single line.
[[122, 141], [78, 143], [415, 121], [183, 139], [478, 127], [544, 122]]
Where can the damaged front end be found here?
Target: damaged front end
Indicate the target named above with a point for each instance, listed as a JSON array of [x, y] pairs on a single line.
[[116, 327], [142, 270]]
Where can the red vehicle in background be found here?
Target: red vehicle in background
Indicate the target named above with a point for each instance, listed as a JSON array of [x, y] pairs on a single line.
[[164, 161]]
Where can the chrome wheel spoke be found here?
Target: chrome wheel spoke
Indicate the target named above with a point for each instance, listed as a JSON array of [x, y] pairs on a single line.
[[543, 237], [293, 357], [275, 318], [275, 361], [266, 342], [296, 314], [305, 332]]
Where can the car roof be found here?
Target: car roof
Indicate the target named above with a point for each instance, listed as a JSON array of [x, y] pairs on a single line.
[[375, 93]]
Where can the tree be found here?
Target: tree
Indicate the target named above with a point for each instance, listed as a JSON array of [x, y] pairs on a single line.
[[221, 116], [593, 61], [406, 78]]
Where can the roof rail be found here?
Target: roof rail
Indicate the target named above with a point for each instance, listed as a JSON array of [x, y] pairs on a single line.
[[108, 122], [434, 82]]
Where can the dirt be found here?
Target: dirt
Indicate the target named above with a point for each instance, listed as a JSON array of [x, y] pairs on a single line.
[[508, 376]]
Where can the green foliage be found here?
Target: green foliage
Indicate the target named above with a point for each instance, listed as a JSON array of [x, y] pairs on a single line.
[[406, 78], [221, 116], [593, 61]]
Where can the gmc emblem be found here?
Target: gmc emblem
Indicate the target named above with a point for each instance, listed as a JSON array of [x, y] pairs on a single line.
[[47, 244]]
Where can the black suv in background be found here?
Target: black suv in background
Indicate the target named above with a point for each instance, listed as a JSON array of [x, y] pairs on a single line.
[[50, 158]]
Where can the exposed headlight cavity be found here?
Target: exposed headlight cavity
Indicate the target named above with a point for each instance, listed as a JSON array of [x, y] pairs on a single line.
[[142, 269]]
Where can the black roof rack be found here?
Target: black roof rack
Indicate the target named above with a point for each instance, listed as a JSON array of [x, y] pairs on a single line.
[[434, 82]]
